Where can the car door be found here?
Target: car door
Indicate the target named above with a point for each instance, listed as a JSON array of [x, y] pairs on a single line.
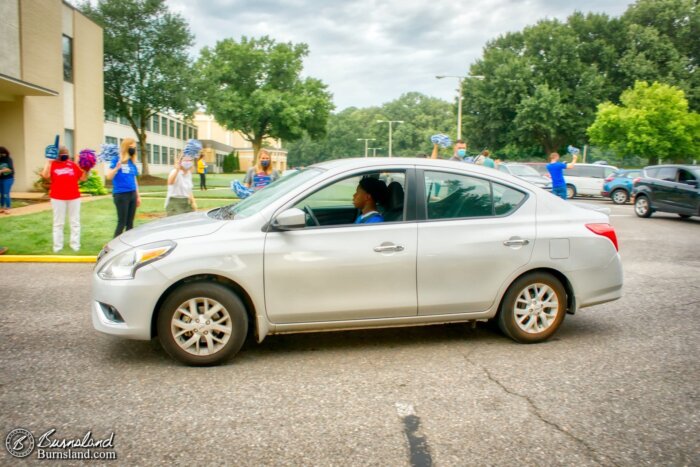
[[685, 194], [335, 272], [663, 187], [475, 235]]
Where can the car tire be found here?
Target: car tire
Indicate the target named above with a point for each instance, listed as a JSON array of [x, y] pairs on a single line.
[[570, 191], [619, 196], [684, 216], [642, 206], [207, 339], [528, 319]]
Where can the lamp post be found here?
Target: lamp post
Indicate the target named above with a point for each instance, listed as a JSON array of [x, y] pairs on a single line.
[[390, 123], [366, 140], [374, 151], [459, 102]]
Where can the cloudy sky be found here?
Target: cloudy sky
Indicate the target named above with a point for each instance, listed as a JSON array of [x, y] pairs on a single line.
[[370, 52]]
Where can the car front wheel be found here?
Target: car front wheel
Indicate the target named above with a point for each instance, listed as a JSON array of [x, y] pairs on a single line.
[[619, 196], [533, 308], [641, 206], [202, 324], [570, 191]]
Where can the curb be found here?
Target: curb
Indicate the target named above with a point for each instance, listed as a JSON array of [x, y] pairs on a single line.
[[46, 259]]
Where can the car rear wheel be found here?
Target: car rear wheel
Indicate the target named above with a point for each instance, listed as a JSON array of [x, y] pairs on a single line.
[[533, 308], [619, 196], [202, 324], [641, 206], [570, 191]]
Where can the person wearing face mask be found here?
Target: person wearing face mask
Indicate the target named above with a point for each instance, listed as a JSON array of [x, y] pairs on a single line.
[[180, 198], [125, 192], [262, 174], [460, 151], [64, 175], [7, 178]]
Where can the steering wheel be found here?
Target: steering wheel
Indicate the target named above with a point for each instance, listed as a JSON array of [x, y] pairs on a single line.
[[312, 216]]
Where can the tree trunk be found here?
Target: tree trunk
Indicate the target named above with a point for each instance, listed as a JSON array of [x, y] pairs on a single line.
[[144, 155], [257, 145]]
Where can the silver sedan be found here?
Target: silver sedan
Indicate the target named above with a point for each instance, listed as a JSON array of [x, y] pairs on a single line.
[[422, 242]]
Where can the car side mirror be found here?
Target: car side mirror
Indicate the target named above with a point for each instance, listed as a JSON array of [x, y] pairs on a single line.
[[290, 219]]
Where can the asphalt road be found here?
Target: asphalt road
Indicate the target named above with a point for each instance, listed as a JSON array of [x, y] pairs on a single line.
[[618, 385]]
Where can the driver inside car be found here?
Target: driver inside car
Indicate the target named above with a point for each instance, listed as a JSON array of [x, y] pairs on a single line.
[[370, 192]]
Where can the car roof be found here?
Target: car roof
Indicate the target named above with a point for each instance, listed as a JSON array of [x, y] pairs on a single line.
[[682, 166]]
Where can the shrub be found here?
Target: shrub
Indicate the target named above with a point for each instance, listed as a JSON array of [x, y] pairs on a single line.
[[93, 185]]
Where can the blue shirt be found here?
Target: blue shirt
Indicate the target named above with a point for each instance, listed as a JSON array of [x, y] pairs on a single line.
[[556, 171], [371, 217], [124, 180]]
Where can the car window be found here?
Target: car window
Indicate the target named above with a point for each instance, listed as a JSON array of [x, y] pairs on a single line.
[[333, 204], [523, 170], [503, 168], [608, 171], [685, 176], [651, 172], [633, 174], [452, 196], [667, 174], [506, 199]]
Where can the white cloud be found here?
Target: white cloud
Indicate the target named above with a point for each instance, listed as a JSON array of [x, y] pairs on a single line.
[[369, 51]]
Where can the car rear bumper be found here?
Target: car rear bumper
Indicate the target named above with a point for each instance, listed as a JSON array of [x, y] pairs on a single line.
[[605, 194]]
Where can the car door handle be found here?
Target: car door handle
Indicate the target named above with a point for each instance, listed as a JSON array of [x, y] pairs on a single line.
[[384, 247], [516, 242]]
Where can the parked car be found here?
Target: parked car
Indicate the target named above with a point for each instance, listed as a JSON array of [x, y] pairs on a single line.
[[667, 188], [540, 167], [586, 179], [526, 173], [458, 243], [618, 186]]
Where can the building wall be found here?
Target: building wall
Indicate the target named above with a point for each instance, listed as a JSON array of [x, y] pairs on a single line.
[[9, 38]]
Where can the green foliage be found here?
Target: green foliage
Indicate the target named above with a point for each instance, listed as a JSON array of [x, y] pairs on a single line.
[[231, 163], [254, 86], [93, 185], [147, 68], [653, 122], [40, 183]]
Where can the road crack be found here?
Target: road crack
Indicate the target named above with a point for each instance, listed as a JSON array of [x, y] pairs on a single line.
[[538, 414]]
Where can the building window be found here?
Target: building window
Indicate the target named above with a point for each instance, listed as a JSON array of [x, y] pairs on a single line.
[[123, 120], [196, 132], [156, 124], [172, 156], [172, 128], [150, 154], [68, 140], [110, 116], [156, 154], [163, 155], [67, 59], [179, 130]]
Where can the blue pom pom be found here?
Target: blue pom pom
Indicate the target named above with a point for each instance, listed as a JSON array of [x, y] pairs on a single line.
[[108, 153], [192, 148], [241, 191], [572, 150], [441, 140]]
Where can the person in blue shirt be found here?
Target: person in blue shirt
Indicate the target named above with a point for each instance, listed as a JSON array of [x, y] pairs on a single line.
[[556, 171], [370, 192], [125, 190]]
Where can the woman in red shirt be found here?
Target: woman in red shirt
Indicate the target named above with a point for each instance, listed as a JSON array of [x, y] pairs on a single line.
[[64, 175]]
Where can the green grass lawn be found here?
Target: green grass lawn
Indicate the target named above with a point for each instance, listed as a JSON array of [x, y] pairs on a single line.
[[31, 234]]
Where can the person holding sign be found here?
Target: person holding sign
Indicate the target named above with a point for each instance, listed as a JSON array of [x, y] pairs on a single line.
[[262, 174]]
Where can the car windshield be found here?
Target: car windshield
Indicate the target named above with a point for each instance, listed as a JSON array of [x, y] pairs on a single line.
[[523, 170], [695, 171], [261, 199]]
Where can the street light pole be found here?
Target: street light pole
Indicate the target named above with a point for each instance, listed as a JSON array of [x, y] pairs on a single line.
[[366, 140], [374, 151], [390, 123], [459, 103]]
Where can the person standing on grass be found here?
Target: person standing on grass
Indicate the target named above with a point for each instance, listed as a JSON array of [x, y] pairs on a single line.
[[125, 190], [556, 171], [7, 178], [262, 173], [64, 175], [180, 198], [202, 171]]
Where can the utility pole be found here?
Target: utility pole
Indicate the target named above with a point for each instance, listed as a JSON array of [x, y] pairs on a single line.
[[390, 122], [366, 140], [459, 102]]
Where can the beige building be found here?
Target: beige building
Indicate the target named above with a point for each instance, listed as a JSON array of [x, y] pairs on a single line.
[[51, 82], [218, 142]]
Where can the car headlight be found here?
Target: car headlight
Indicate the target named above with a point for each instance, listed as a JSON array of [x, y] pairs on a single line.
[[124, 265]]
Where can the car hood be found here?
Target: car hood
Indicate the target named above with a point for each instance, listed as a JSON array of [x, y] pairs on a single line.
[[194, 224]]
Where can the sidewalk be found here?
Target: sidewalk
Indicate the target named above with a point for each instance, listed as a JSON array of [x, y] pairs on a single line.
[[39, 207]]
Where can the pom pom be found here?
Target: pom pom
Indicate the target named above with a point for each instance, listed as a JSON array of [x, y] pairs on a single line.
[[441, 140], [241, 191], [108, 153], [87, 159], [572, 150], [192, 148]]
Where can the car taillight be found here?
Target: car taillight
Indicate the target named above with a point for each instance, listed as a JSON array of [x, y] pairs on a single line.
[[606, 230], [609, 179], [635, 181]]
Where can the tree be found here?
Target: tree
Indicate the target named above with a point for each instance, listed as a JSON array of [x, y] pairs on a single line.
[[254, 87], [653, 121], [147, 68]]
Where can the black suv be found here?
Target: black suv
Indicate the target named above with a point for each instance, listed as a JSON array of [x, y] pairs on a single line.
[[668, 188]]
